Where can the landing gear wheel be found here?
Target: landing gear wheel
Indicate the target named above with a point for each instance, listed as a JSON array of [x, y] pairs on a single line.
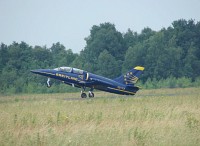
[[91, 94], [49, 86], [83, 95]]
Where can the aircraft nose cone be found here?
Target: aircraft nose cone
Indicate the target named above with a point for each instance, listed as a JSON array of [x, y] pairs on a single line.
[[43, 72], [38, 71], [35, 71]]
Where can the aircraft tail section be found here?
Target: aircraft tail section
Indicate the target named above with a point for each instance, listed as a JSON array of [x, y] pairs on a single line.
[[131, 77]]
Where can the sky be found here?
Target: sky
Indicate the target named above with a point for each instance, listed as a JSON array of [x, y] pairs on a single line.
[[44, 22]]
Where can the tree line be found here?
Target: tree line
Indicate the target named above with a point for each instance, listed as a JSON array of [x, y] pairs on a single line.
[[168, 55]]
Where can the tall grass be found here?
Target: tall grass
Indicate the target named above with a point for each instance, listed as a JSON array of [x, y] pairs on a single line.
[[151, 117]]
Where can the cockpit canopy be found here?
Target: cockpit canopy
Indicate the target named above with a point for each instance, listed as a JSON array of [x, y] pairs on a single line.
[[64, 69], [69, 69]]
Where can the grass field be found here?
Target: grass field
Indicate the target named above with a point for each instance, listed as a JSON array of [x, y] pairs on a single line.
[[151, 117]]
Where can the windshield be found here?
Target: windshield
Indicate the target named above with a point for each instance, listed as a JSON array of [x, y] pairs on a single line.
[[64, 69]]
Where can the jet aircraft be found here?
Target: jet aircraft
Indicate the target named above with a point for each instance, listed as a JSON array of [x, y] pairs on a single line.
[[124, 84]]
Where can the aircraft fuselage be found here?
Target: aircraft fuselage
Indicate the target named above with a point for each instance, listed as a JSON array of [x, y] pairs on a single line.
[[83, 79]]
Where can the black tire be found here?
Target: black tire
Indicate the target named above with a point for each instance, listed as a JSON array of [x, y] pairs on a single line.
[[49, 86], [83, 95], [91, 94]]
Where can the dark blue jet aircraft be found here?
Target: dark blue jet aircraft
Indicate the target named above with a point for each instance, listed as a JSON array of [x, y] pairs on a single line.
[[124, 84]]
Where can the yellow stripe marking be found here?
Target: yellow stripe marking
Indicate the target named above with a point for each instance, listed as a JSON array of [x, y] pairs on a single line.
[[122, 90]]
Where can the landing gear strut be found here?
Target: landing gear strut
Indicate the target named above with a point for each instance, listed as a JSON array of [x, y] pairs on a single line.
[[48, 83]]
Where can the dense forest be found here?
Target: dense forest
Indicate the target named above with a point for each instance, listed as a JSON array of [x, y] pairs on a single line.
[[171, 57]]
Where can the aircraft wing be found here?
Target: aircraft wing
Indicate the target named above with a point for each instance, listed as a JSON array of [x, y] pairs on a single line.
[[100, 82], [94, 81]]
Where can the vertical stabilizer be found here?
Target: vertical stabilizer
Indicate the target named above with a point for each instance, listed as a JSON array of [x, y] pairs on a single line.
[[131, 77]]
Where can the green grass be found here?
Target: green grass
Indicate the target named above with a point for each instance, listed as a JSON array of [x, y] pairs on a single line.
[[151, 117]]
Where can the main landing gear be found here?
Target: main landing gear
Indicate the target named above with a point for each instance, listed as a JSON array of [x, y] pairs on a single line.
[[84, 95], [91, 94]]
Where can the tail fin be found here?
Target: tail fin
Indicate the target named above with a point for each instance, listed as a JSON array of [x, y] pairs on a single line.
[[131, 77]]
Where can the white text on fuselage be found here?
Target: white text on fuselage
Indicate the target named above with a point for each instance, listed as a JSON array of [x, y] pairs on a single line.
[[66, 77]]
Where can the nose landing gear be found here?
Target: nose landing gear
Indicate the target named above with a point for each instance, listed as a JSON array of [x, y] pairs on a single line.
[[48, 83]]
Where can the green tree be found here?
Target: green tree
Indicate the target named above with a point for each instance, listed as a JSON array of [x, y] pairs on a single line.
[[130, 38], [107, 65], [61, 56], [104, 37], [168, 54]]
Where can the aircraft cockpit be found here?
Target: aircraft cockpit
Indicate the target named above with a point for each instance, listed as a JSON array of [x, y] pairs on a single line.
[[77, 71], [64, 69], [69, 69]]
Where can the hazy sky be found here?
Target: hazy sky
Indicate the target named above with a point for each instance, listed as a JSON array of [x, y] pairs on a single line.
[[44, 22]]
